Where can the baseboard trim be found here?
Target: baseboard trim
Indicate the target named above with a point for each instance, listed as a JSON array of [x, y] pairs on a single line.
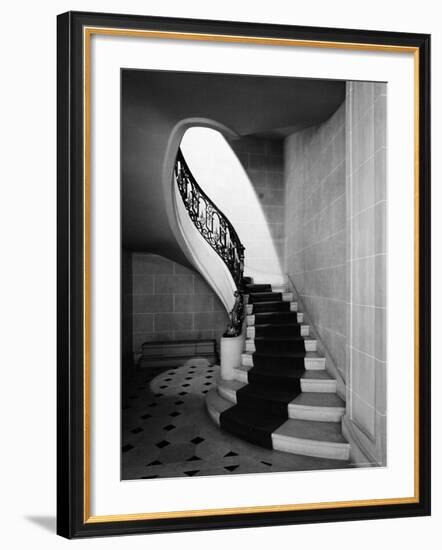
[[359, 455]]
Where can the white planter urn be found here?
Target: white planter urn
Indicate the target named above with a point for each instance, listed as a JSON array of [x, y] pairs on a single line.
[[231, 350]]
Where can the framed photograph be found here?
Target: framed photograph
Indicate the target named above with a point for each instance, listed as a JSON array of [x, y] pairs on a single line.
[[243, 274]]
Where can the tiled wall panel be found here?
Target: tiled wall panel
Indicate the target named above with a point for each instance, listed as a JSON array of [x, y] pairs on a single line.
[[315, 227], [262, 159], [166, 301], [366, 263]]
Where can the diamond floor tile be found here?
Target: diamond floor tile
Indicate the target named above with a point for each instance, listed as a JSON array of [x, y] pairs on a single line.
[[164, 449]]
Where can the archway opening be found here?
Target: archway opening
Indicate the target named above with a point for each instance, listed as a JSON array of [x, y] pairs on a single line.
[[223, 177]]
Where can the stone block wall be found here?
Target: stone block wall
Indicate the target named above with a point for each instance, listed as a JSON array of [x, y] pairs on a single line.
[[315, 198], [366, 265], [167, 301], [262, 159]]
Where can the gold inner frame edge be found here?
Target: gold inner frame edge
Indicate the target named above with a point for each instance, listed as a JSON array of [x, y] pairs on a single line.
[[87, 33]]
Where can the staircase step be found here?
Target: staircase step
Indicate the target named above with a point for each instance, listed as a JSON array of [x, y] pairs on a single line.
[[275, 317], [254, 426], [278, 330], [270, 398], [306, 437], [253, 288], [293, 345], [267, 307], [240, 373], [319, 439], [271, 307], [318, 381], [276, 376], [258, 322], [320, 407], [227, 389], [274, 359], [216, 405], [283, 342], [281, 377], [283, 288], [257, 297], [312, 361]]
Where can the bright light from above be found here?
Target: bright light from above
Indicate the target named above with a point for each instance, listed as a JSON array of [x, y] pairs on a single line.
[[221, 175]]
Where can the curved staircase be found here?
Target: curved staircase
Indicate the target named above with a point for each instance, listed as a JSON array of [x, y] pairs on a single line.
[[281, 397]]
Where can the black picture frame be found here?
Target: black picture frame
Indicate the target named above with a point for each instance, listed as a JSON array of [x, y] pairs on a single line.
[[72, 515]]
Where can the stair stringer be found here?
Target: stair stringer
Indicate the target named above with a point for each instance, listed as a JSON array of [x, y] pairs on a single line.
[[360, 456]]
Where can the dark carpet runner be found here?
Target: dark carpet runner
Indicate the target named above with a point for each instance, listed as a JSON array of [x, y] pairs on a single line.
[[274, 379]]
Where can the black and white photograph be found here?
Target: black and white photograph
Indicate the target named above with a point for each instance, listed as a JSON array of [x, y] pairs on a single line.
[[253, 274], [222, 253]]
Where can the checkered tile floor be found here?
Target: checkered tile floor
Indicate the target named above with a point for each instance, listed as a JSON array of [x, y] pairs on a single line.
[[166, 431]]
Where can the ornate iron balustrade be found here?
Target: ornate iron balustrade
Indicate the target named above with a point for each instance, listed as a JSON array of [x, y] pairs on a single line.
[[217, 230]]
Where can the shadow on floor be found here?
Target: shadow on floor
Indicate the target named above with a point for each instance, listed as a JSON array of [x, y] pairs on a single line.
[[48, 523], [167, 432]]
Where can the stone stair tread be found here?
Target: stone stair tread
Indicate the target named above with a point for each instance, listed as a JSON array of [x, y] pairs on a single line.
[[316, 399], [233, 385], [279, 353], [280, 326], [258, 287], [267, 329], [274, 313], [329, 432], [265, 393], [217, 403], [261, 295], [257, 419], [280, 338], [279, 371], [317, 375], [267, 303], [243, 368], [282, 353], [257, 308]]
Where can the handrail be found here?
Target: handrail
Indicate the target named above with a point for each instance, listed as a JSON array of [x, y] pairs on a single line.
[[217, 230]]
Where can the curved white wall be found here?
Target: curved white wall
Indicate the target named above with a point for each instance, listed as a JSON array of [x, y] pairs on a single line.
[[220, 174], [203, 256]]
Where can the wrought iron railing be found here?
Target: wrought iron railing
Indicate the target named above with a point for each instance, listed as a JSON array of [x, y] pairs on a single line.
[[217, 230]]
